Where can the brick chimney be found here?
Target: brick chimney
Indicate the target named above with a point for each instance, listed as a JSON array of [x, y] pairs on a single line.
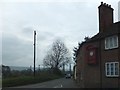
[[105, 16]]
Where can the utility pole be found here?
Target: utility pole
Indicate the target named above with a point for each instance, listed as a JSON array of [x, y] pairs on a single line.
[[39, 67], [70, 68], [34, 50], [63, 68]]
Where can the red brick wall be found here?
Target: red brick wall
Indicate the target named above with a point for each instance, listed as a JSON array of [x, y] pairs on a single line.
[[92, 72], [92, 75], [108, 56]]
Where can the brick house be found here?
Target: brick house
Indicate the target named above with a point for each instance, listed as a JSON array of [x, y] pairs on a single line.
[[98, 58]]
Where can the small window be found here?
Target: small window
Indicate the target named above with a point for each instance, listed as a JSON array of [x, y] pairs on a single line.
[[112, 69], [111, 42]]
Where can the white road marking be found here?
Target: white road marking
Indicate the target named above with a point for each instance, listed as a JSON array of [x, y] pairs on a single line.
[[55, 87], [58, 86]]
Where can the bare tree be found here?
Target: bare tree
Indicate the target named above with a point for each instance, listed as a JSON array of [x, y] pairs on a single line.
[[57, 56]]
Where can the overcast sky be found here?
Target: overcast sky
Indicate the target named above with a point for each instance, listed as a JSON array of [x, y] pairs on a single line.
[[68, 20]]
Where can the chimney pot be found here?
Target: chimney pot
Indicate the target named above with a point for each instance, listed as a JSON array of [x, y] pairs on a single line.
[[104, 3], [101, 3], [109, 5]]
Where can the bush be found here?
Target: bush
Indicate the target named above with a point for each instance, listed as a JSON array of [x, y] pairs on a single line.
[[57, 71]]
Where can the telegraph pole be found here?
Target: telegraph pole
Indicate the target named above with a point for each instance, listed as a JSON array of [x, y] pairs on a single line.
[[63, 68], [39, 67], [70, 68], [34, 50]]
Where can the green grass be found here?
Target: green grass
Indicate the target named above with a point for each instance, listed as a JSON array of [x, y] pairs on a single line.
[[24, 80]]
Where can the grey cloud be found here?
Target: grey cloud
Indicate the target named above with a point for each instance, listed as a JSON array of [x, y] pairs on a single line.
[[119, 10], [69, 21], [14, 49], [45, 35], [27, 30]]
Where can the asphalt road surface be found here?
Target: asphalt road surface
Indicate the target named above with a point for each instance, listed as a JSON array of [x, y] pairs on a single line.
[[58, 83]]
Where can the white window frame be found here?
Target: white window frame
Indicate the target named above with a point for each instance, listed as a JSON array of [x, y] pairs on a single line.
[[108, 69], [111, 40]]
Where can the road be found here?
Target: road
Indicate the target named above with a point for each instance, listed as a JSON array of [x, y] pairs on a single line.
[[58, 83]]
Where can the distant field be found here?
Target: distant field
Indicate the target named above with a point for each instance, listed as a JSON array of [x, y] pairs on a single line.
[[24, 80]]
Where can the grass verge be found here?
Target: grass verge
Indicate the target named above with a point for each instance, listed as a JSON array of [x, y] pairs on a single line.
[[24, 80]]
